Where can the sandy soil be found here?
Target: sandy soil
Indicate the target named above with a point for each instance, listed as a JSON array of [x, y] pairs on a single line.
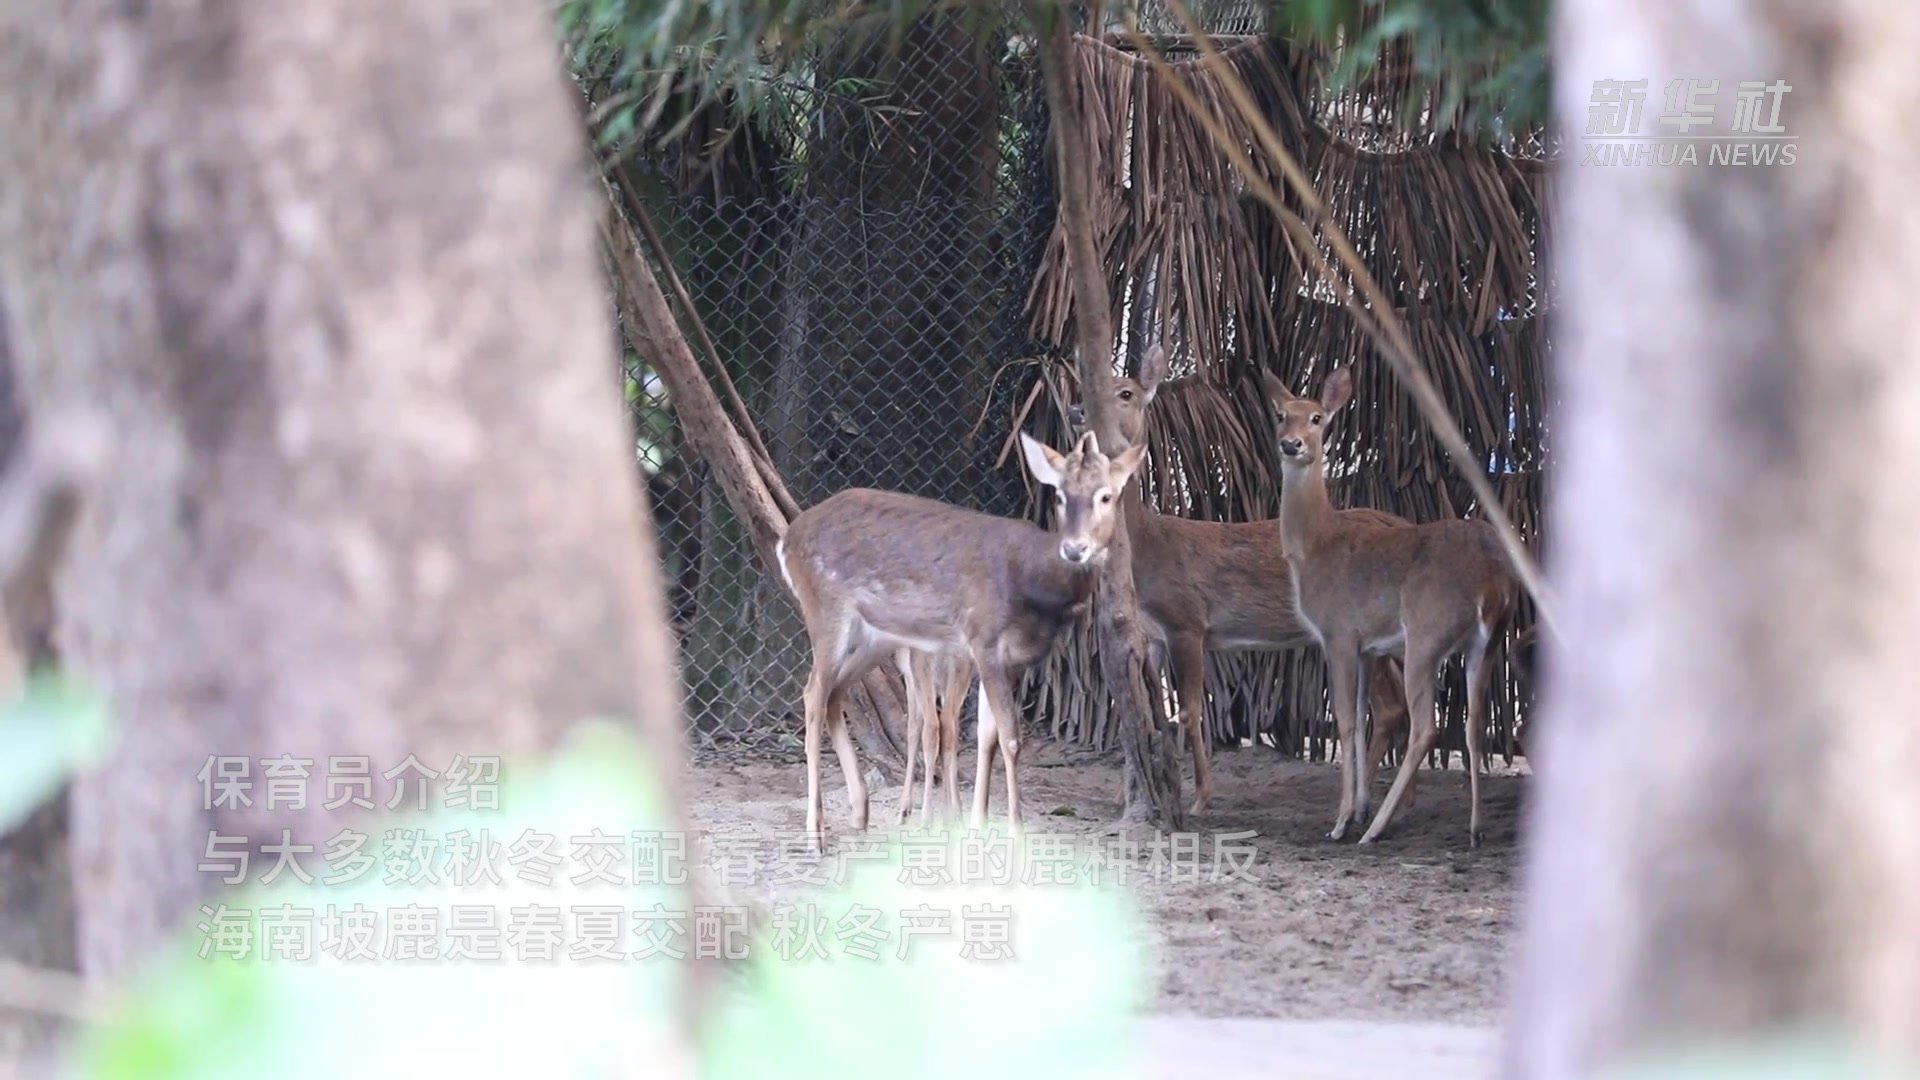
[[1412, 928]]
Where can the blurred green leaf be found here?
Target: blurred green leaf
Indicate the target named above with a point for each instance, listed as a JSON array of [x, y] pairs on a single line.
[[1488, 57], [223, 1016], [54, 728], [805, 1017], [1080, 958]]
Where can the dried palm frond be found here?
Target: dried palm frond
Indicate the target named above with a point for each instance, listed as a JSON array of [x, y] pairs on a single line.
[[1450, 230]]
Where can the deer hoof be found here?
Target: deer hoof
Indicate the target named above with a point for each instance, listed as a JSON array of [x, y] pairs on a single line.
[[1478, 837]]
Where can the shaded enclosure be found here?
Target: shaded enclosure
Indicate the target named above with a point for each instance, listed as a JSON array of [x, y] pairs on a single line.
[[874, 253]]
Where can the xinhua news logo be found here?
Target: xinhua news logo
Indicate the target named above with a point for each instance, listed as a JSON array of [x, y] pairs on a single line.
[[1688, 130]]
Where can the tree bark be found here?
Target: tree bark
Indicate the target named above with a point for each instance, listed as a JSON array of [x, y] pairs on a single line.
[[36, 883], [370, 491], [1722, 842], [1153, 773]]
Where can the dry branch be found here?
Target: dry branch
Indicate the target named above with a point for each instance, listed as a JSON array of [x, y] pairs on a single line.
[[762, 457], [1391, 335], [649, 321], [1449, 231]]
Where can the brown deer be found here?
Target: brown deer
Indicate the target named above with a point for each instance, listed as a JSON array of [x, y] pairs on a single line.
[[878, 571], [936, 687], [1208, 586], [1423, 593]]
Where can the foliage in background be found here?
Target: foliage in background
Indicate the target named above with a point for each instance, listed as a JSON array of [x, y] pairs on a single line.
[[827, 1017], [641, 58], [54, 728], [1480, 64]]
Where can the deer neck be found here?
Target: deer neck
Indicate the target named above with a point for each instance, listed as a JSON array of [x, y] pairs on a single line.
[[1133, 507], [1049, 580], [1306, 510]]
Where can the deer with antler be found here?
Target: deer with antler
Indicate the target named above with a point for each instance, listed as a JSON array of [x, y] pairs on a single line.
[[1209, 586], [1422, 593], [875, 572]]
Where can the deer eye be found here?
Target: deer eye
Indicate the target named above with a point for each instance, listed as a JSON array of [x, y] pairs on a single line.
[[1126, 395], [1106, 497], [1317, 418]]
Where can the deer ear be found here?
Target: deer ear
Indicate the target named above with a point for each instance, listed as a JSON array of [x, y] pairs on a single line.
[[1045, 465], [1122, 467], [1338, 391], [1153, 370], [1277, 391]]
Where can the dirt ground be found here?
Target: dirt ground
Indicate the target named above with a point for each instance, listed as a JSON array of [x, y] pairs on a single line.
[[1413, 928]]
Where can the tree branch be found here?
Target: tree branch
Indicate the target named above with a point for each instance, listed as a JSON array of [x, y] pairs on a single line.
[[644, 311]]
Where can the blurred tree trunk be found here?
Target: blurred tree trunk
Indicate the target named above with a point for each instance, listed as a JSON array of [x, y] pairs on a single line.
[[1723, 845], [36, 884], [371, 490]]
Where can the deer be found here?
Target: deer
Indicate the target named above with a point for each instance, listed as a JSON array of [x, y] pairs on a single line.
[[936, 686], [1208, 586], [1421, 593], [875, 572]]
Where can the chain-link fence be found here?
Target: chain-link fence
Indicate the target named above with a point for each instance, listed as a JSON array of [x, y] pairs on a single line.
[[867, 257], [867, 296]]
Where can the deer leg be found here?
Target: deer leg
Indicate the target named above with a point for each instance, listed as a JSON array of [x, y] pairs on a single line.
[[908, 664], [930, 729], [959, 676], [1362, 739], [1189, 654], [816, 708], [987, 736], [1342, 677], [930, 735], [1423, 729], [849, 765], [996, 687], [1389, 708], [1476, 724]]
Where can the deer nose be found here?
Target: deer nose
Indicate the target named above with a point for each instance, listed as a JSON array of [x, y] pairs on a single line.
[[1290, 446], [1077, 415], [1074, 551]]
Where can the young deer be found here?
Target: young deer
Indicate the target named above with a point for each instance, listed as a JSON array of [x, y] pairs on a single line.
[[878, 571], [936, 686], [1420, 592], [1208, 586]]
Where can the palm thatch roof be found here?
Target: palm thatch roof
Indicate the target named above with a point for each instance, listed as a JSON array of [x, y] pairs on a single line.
[[1449, 228]]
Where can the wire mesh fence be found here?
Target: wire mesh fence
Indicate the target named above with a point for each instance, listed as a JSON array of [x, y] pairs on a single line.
[[867, 299], [871, 264], [886, 355]]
